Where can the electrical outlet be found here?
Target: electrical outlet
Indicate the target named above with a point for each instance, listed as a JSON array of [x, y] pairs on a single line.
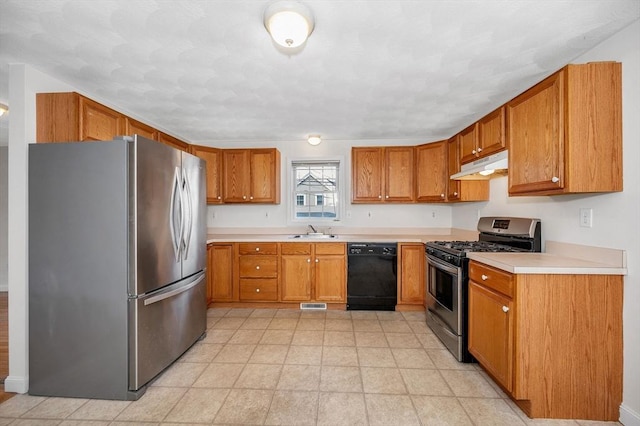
[[348, 214], [369, 214], [266, 215], [433, 214], [586, 218]]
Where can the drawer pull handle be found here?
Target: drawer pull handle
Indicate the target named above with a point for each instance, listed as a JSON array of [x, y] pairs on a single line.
[[257, 267], [484, 277], [257, 290], [505, 309]]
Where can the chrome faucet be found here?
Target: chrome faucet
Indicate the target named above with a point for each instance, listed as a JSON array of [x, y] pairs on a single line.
[[313, 229]]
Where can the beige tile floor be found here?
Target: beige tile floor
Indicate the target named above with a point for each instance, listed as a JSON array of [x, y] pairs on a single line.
[[268, 366]]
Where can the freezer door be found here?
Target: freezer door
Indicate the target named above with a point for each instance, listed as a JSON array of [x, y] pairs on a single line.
[[154, 217], [163, 325], [194, 240]]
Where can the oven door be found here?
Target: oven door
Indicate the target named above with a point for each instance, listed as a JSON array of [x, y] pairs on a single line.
[[444, 282]]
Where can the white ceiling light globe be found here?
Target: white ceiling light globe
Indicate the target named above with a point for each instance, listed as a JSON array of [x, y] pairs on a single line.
[[289, 23]]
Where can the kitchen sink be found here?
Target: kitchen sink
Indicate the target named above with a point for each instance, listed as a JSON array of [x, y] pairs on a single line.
[[314, 236]]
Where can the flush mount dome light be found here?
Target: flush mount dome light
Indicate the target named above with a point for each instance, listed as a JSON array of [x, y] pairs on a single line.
[[314, 140], [3, 108], [288, 22]]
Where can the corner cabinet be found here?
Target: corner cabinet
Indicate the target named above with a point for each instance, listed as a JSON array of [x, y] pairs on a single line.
[[382, 174], [462, 190], [553, 342], [251, 176], [565, 133]]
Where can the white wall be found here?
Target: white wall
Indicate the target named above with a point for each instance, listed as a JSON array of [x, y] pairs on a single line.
[[4, 178], [615, 216], [354, 215]]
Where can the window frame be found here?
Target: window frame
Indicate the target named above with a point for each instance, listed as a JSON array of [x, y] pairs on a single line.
[[292, 194]]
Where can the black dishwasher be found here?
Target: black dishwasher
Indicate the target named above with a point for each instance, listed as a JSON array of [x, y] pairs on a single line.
[[372, 276]]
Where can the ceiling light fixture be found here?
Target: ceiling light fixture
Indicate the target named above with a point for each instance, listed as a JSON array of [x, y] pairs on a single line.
[[314, 140], [288, 22], [3, 109]]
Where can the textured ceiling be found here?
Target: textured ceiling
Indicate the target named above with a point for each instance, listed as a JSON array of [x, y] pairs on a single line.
[[206, 70]]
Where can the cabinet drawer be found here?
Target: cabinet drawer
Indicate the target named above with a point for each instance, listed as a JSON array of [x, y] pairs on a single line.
[[258, 266], [258, 248], [295, 248], [259, 289], [493, 278], [331, 248]]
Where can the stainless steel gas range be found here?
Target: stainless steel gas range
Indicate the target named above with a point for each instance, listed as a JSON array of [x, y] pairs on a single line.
[[447, 274]]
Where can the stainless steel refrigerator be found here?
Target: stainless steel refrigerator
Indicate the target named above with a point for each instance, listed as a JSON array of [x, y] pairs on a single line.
[[117, 252]]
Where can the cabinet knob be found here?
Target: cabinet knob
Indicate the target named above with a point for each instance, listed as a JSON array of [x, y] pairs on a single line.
[[387, 196], [219, 197], [455, 194], [473, 152], [505, 309], [257, 267], [380, 197], [555, 179], [441, 195], [251, 198], [308, 260], [257, 290], [484, 277], [244, 197], [317, 261], [479, 150], [257, 248]]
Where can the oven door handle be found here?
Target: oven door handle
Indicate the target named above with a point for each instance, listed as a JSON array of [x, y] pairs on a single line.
[[438, 264]]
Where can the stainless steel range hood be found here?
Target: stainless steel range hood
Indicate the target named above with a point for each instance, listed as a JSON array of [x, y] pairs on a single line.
[[484, 168]]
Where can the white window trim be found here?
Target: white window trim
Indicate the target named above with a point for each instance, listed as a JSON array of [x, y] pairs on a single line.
[[291, 201]]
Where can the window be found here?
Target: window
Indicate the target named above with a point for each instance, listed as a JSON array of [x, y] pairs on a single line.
[[316, 189]]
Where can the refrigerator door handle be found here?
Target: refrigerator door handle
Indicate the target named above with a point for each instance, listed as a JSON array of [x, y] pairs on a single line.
[[188, 219], [176, 196], [196, 279]]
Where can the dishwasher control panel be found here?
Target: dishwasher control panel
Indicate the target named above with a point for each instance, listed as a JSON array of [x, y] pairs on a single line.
[[385, 249]]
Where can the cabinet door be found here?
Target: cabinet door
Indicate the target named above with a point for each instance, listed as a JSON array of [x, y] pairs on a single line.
[[412, 266], [491, 332], [133, 127], [535, 135], [173, 142], [398, 174], [221, 272], [431, 169], [265, 176], [491, 138], [367, 177], [330, 278], [453, 166], [213, 158], [235, 175], [295, 278], [99, 123], [469, 144]]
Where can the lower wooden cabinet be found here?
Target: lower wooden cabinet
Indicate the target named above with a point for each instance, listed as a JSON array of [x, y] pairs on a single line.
[[411, 275], [220, 273], [553, 342], [313, 272]]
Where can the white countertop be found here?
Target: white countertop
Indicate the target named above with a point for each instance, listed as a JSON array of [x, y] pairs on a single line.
[[560, 258], [279, 238]]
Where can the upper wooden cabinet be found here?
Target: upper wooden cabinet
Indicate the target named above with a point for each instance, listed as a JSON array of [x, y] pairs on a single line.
[[173, 142], [133, 127], [70, 117], [462, 190], [483, 138], [213, 158], [565, 133], [382, 174], [431, 172], [251, 176]]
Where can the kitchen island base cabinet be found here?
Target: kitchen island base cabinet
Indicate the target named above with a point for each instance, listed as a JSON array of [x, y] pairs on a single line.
[[553, 342]]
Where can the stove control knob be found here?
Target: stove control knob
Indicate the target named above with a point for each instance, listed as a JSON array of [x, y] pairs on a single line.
[[449, 257]]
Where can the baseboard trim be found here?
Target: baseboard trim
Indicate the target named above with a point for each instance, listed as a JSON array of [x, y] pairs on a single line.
[[17, 384], [629, 417]]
